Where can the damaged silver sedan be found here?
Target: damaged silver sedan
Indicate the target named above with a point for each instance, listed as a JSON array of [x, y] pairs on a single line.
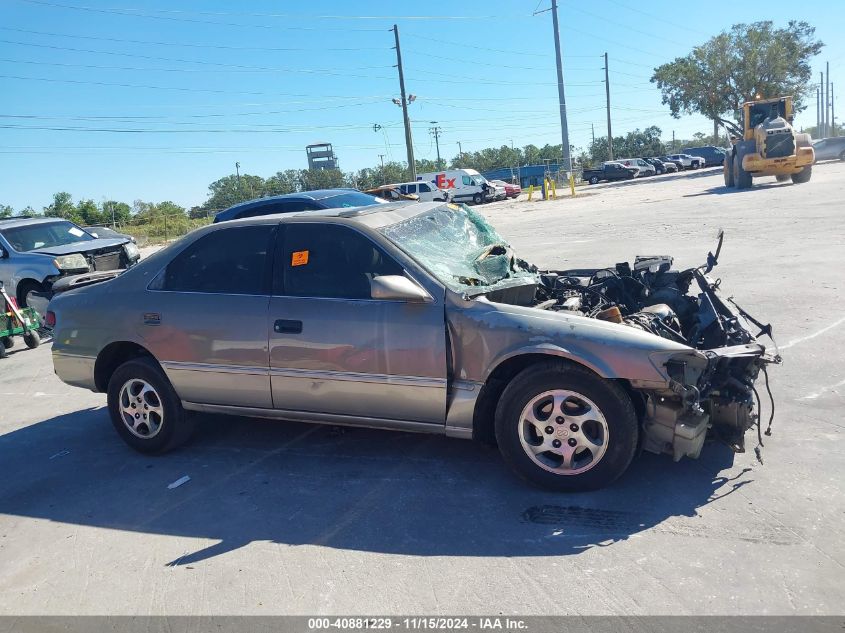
[[416, 317]]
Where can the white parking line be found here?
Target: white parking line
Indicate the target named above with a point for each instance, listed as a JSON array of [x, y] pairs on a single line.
[[822, 391], [814, 335]]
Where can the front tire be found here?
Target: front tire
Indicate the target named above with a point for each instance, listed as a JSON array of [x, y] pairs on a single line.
[[594, 180], [842, 155], [145, 410], [561, 427], [477, 198], [782, 177], [25, 290], [742, 178], [728, 171], [803, 176]]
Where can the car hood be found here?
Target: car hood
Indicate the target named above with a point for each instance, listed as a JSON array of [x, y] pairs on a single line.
[[81, 247]]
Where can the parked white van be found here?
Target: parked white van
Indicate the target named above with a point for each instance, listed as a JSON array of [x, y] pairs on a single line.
[[465, 185], [426, 192]]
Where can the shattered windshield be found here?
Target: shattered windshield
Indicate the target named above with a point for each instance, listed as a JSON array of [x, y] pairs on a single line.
[[458, 247]]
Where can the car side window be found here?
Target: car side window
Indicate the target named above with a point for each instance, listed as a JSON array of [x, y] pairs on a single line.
[[466, 180], [226, 261], [329, 261], [412, 188], [424, 188]]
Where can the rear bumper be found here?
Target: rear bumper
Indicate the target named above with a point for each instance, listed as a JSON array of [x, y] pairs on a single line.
[[75, 370]]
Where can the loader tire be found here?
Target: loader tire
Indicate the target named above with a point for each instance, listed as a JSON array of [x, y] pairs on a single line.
[[728, 170], [782, 177], [803, 176], [742, 178]]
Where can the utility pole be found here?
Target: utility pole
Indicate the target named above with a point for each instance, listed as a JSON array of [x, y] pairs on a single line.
[[822, 134], [673, 141], [832, 115], [827, 99], [460, 151], [238, 175], [818, 113], [593, 133], [383, 176], [409, 143], [607, 93], [564, 128], [436, 132]]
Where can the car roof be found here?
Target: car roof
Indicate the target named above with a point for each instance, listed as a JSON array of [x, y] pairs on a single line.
[[10, 222], [316, 194], [374, 216]]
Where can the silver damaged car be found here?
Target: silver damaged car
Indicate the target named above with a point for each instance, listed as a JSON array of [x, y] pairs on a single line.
[[415, 317]]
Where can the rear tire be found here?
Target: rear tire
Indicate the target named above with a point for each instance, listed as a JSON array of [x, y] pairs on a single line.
[[477, 198], [2, 350], [782, 177], [592, 420], [842, 155], [803, 176], [8, 342], [742, 178], [728, 170], [594, 180], [140, 388]]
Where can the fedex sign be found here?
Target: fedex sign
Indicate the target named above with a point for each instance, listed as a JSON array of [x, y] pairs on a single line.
[[444, 183]]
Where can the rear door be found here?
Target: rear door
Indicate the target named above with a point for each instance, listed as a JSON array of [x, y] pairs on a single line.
[[335, 350], [205, 317]]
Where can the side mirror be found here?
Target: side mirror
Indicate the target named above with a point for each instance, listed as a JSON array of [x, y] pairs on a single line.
[[397, 288]]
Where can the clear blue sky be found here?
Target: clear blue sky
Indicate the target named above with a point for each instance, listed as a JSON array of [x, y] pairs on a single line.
[[179, 91]]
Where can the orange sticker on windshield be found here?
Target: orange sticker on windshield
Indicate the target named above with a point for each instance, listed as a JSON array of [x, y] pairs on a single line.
[[299, 258]]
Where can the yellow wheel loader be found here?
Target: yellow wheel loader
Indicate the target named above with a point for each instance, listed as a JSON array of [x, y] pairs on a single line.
[[767, 145]]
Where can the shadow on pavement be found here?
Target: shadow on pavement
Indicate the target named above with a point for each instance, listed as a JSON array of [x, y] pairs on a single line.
[[357, 489]]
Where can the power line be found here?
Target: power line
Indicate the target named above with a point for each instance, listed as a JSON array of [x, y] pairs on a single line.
[[193, 45], [186, 61], [192, 70], [440, 17], [480, 48], [148, 87], [135, 13]]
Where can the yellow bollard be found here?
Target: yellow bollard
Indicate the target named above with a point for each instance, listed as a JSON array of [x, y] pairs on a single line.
[[572, 184], [553, 186], [530, 192]]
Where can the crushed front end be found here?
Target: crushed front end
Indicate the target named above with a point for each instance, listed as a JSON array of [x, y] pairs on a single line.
[[709, 390]]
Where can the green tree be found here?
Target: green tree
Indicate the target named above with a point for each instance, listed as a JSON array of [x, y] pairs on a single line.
[[62, 207], [645, 143], [322, 179], [716, 78], [6, 211], [120, 211]]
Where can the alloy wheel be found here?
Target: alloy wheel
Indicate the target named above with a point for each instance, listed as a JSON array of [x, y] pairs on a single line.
[[563, 432]]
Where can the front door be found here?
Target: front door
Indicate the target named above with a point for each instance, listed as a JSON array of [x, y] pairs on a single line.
[[335, 350]]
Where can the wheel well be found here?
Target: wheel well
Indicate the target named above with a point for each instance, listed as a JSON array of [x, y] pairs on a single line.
[[488, 399], [20, 290], [113, 356]]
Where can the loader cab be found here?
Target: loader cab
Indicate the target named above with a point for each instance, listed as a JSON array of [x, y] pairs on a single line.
[[756, 112]]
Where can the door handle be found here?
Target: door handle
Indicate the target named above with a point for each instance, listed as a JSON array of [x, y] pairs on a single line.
[[282, 326]]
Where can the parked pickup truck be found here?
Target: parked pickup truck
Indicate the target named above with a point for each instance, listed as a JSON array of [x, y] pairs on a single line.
[[609, 171]]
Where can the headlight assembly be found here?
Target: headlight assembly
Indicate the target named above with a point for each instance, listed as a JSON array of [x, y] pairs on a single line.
[[132, 251], [71, 262]]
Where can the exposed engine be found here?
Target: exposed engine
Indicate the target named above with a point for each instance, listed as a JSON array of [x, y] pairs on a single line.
[[712, 390]]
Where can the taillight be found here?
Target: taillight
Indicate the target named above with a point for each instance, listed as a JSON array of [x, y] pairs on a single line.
[[50, 319]]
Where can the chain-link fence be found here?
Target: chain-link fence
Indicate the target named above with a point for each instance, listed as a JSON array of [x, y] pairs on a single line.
[[159, 228]]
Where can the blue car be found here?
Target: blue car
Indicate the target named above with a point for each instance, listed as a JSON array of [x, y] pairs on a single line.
[[303, 201]]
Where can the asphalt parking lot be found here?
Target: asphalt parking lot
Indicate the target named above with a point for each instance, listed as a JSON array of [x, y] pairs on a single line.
[[295, 519]]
